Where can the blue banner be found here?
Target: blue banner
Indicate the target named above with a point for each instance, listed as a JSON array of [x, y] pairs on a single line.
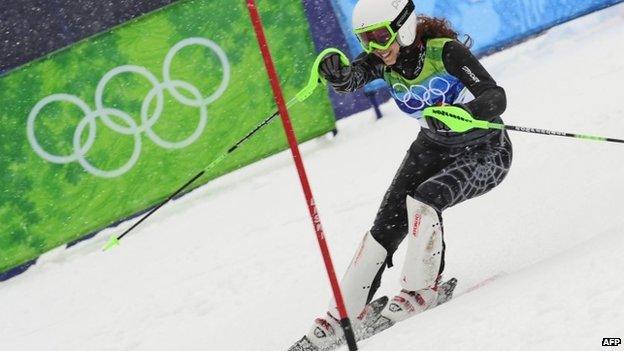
[[326, 33], [492, 24]]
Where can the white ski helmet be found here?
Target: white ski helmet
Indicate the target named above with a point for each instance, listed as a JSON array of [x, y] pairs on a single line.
[[400, 13]]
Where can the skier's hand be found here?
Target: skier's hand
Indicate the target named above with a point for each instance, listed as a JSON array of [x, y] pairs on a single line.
[[333, 71], [437, 125]]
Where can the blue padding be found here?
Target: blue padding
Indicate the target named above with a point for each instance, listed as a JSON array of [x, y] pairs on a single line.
[[6, 275]]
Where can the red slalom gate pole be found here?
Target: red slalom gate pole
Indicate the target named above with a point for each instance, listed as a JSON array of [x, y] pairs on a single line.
[[294, 148]]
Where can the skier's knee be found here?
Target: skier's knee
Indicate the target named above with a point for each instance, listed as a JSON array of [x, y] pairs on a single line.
[[390, 238], [433, 195]]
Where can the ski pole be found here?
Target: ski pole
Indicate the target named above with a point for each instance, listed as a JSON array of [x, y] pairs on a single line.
[[302, 95], [460, 121], [114, 241]]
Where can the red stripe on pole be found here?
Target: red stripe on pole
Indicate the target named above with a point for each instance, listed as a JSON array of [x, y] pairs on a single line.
[[294, 148]]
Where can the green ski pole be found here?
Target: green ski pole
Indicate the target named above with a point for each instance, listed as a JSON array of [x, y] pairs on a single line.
[[301, 96], [460, 121]]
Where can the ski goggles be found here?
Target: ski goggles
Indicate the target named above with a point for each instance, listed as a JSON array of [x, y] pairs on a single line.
[[381, 35], [376, 37]]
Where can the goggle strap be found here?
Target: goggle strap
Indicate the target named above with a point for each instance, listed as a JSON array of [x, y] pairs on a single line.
[[403, 16]]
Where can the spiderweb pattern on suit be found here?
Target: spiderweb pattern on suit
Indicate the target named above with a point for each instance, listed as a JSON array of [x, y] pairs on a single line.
[[472, 174]]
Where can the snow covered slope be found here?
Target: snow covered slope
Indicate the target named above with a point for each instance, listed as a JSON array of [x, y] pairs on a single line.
[[235, 264]]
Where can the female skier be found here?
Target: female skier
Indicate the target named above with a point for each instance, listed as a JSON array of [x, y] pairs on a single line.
[[424, 65]]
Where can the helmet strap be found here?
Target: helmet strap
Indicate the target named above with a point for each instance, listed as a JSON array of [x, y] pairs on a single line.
[[403, 16]]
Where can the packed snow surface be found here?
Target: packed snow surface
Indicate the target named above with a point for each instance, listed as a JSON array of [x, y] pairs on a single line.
[[235, 265]]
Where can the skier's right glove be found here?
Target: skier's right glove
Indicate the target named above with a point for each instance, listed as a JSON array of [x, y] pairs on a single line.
[[333, 71]]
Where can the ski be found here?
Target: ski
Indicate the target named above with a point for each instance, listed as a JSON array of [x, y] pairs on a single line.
[[375, 323], [305, 345], [372, 322]]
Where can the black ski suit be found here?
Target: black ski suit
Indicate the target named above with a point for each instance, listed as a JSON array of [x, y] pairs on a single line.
[[441, 168]]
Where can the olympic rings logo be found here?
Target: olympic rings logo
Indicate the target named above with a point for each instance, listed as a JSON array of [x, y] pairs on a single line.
[[421, 96], [81, 146]]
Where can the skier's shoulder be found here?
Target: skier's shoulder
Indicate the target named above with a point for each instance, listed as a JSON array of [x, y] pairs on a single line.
[[446, 48], [444, 52], [439, 42], [453, 51]]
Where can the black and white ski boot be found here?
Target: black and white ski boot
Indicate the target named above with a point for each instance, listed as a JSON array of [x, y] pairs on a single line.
[[326, 334]]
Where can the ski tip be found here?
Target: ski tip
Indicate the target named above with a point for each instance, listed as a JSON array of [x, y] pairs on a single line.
[[111, 243], [452, 281], [446, 290], [449, 285]]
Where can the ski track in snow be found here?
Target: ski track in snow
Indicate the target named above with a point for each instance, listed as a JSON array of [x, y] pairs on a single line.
[[235, 264]]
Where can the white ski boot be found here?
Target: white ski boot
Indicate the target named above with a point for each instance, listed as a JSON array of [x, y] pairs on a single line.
[[422, 264], [410, 303], [326, 333]]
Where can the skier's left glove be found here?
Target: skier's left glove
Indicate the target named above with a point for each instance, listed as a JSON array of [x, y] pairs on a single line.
[[437, 125], [333, 70]]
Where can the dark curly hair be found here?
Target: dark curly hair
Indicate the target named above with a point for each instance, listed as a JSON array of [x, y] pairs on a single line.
[[431, 27]]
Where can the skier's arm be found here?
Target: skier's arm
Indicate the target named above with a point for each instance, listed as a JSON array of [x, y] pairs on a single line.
[[490, 99], [345, 79]]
